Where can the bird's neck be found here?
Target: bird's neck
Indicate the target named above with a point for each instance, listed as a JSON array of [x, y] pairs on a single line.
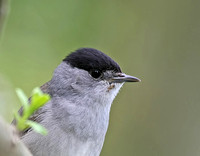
[[85, 117], [86, 125]]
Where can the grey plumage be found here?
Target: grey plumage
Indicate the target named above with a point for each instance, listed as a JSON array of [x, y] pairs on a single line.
[[77, 115]]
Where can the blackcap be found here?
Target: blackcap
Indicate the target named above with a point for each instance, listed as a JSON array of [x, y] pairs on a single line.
[[82, 90]]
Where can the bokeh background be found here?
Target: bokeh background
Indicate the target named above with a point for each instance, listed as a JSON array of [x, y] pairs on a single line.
[[157, 41]]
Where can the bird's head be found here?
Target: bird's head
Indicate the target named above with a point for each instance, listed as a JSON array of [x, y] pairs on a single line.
[[90, 73]]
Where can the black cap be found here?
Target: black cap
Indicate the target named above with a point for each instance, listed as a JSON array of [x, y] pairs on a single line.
[[91, 59]]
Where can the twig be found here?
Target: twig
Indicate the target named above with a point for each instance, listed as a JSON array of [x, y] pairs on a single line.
[[4, 10], [10, 143]]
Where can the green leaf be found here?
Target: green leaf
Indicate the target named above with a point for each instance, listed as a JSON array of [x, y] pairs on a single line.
[[37, 90], [38, 99], [23, 98], [17, 116], [20, 121], [37, 127]]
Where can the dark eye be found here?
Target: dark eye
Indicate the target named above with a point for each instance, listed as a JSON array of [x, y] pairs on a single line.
[[96, 74]]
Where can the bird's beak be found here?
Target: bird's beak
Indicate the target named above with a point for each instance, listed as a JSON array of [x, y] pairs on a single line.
[[121, 77]]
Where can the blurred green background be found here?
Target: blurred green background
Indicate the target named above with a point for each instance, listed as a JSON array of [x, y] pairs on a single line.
[[157, 41]]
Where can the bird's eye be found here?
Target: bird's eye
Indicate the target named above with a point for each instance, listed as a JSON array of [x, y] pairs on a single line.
[[96, 74]]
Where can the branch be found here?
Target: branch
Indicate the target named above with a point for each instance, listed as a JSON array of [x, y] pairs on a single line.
[[4, 9], [10, 143]]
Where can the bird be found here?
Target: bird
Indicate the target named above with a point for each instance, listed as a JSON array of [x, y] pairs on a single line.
[[82, 89]]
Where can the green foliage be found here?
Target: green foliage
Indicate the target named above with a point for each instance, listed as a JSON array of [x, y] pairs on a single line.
[[38, 99]]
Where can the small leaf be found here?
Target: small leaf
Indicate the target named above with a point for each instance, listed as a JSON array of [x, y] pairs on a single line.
[[17, 116], [20, 121], [37, 102], [38, 99], [37, 90], [23, 98], [37, 127]]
